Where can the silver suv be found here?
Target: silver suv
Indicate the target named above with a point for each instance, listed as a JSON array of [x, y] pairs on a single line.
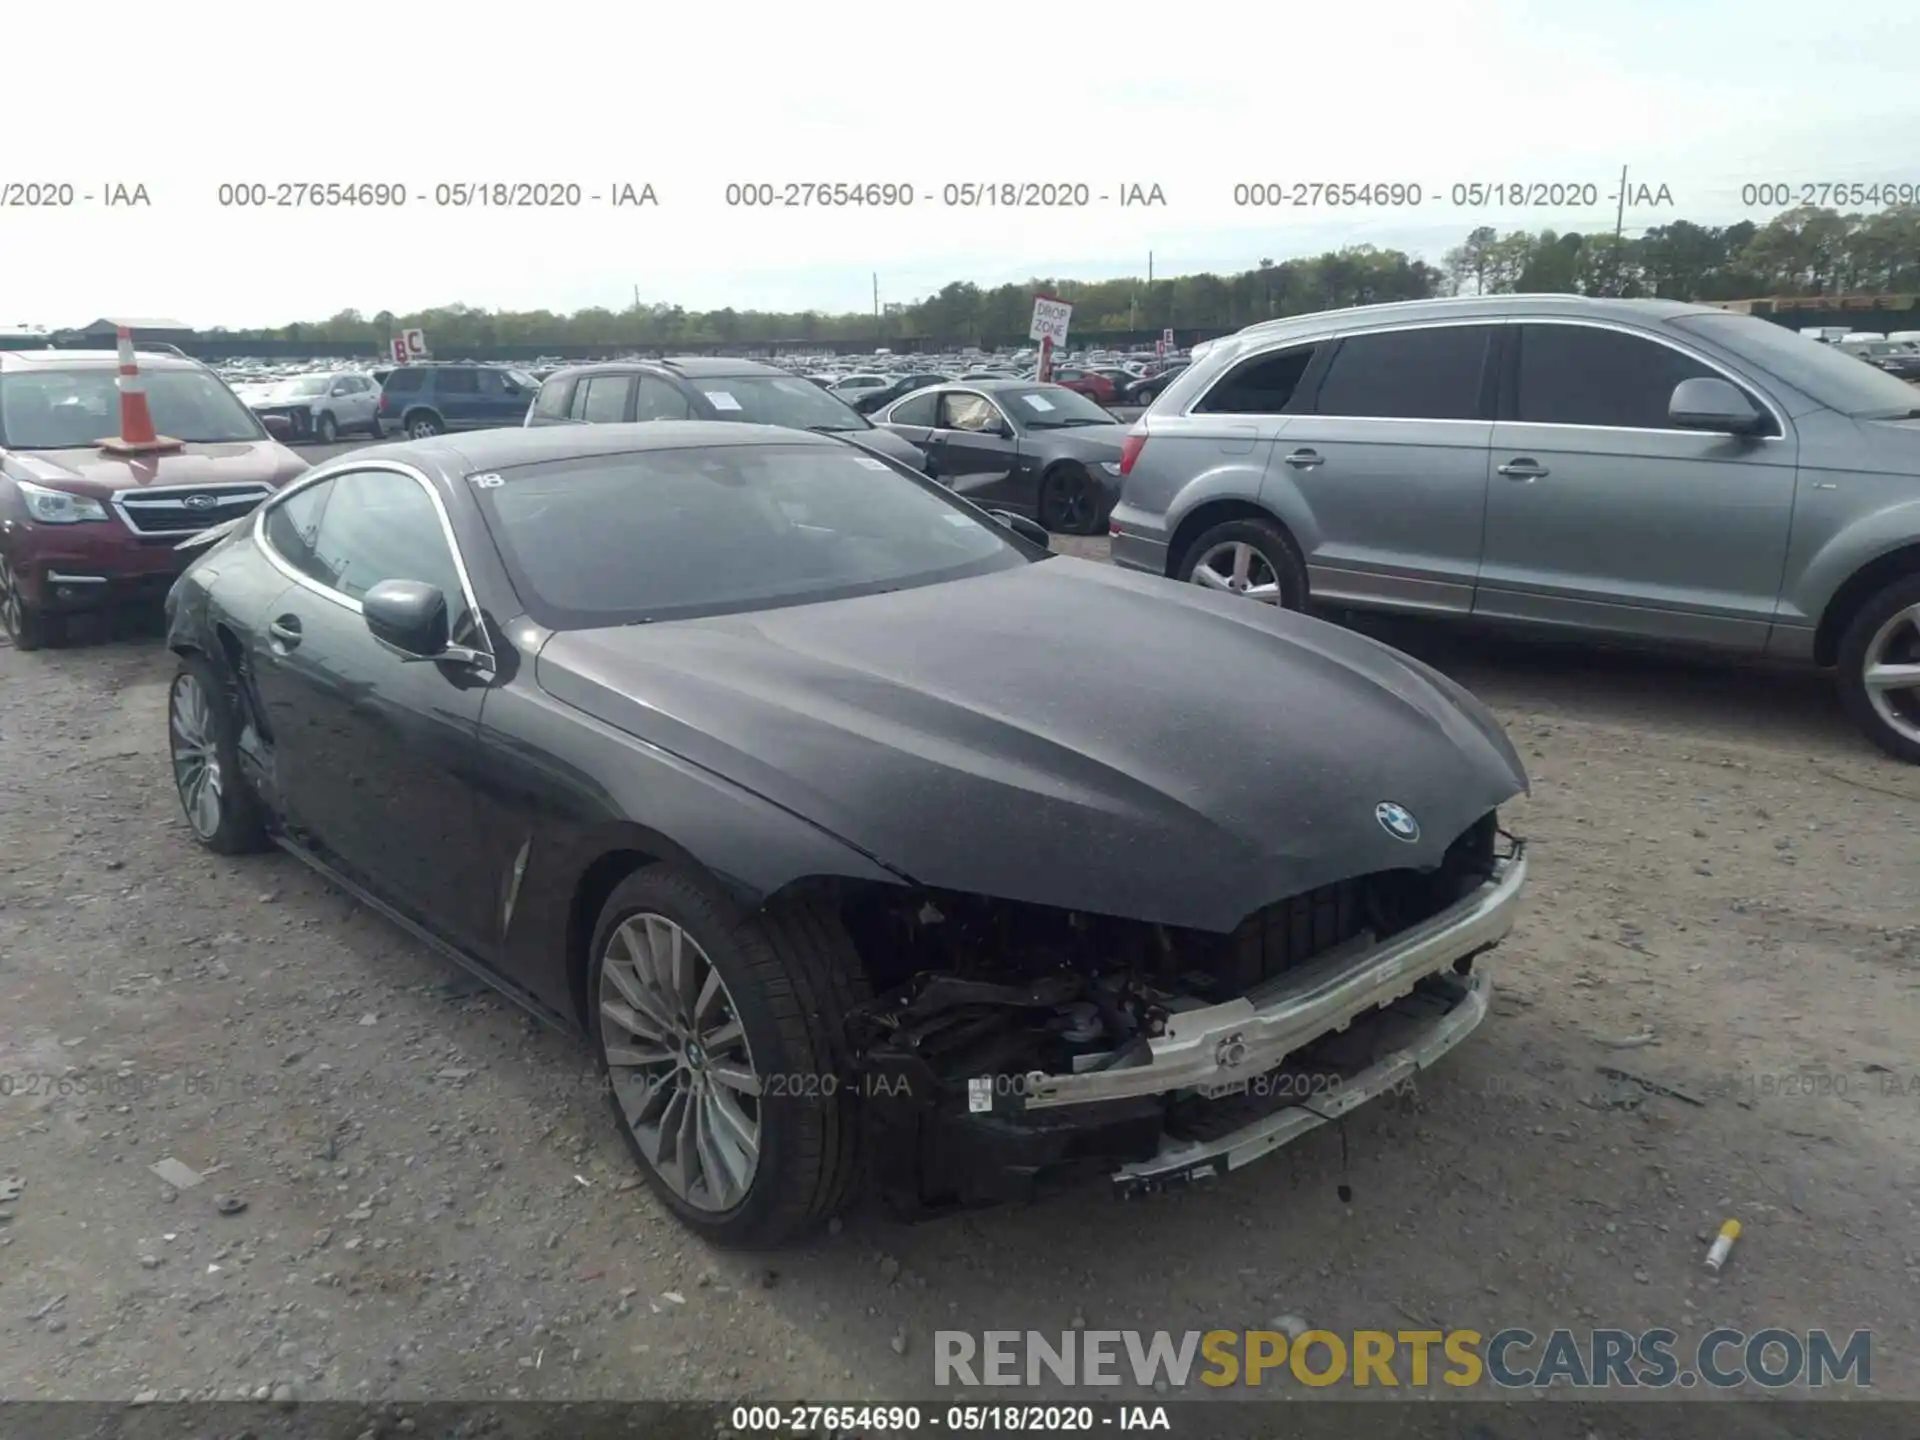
[[1633, 469]]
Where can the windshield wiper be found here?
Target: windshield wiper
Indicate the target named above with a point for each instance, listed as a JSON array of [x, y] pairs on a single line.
[[838, 429]]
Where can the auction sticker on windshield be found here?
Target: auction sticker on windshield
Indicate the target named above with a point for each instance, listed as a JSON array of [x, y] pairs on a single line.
[[1038, 402], [722, 400], [871, 464]]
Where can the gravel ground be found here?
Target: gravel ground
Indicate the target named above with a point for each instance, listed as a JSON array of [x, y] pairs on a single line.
[[435, 1205]]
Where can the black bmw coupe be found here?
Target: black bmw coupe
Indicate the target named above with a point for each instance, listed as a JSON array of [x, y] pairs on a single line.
[[758, 760]]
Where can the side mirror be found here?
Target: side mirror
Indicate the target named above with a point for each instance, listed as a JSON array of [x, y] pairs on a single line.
[[278, 426], [1028, 530], [408, 616], [1707, 402]]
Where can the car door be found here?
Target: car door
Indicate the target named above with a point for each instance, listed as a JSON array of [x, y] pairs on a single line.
[[917, 418], [1602, 514], [372, 753], [503, 401], [1381, 468], [456, 393], [980, 451]]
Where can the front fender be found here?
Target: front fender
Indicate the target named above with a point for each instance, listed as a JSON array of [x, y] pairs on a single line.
[[1814, 579]]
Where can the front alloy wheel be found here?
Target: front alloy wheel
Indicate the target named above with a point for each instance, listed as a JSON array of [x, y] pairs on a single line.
[[219, 807], [679, 1063], [1879, 663], [722, 1032], [27, 627], [1069, 501]]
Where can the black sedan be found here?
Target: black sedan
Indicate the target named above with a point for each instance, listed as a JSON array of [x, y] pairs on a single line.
[[860, 835], [1037, 450], [1147, 388], [699, 387], [876, 400]]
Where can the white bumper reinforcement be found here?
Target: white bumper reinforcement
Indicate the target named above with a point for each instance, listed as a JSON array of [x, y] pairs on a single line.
[[1228, 1044]]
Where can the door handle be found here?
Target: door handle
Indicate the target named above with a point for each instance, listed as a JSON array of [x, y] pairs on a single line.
[[1305, 459], [285, 631], [1524, 469]]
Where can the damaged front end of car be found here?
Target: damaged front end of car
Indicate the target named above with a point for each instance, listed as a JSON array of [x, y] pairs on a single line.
[[1013, 1049]]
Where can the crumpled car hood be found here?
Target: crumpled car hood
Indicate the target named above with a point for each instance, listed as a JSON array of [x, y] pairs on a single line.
[[1066, 734]]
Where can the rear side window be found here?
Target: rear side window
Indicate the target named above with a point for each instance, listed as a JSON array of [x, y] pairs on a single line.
[[918, 410], [1264, 385], [1583, 375], [458, 382], [1433, 373], [402, 382], [551, 402]]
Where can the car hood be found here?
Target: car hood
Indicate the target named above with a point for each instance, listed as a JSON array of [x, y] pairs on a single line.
[[1169, 755], [99, 473]]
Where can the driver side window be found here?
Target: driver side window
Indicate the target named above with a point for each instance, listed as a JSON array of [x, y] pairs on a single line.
[[960, 411], [381, 525]]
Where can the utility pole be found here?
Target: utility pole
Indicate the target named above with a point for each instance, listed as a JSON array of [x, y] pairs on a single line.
[[636, 297], [876, 308], [1619, 227]]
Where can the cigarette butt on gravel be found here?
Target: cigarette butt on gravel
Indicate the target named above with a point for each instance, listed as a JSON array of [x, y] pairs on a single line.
[[1722, 1245]]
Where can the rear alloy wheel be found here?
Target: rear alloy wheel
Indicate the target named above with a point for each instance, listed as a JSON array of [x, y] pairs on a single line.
[[1879, 663], [28, 627], [1069, 500], [721, 1033], [327, 430], [1254, 558], [201, 734], [423, 427]]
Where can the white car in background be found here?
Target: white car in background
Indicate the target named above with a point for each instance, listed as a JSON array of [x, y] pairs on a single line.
[[852, 387], [322, 406]]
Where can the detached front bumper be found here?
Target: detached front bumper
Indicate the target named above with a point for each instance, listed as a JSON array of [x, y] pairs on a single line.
[[1225, 1085], [1222, 1045]]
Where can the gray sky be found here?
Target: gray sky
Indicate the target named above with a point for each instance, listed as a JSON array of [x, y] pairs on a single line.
[[1704, 98]]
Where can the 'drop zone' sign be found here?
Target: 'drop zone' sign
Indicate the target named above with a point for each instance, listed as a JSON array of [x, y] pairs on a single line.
[[1050, 319]]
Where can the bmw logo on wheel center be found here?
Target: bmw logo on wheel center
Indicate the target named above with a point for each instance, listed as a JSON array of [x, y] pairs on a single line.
[[1397, 821]]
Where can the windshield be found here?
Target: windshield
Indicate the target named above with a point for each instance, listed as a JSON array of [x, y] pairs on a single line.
[[780, 400], [673, 534], [1053, 407], [77, 409], [1827, 373], [303, 385]]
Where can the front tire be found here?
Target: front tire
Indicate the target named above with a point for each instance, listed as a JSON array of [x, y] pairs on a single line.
[[1879, 669], [25, 624], [1251, 557], [722, 1036], [327, 430], [202, 743], [1069, 500]]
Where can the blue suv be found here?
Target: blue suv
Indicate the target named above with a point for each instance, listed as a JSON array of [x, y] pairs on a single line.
[[423, 400]]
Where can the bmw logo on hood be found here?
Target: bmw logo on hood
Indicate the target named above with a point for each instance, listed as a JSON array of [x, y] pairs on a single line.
[[1397, 821]]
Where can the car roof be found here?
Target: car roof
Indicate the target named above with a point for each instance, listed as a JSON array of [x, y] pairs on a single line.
[[90, 360], [1474, 307], [476, 450], [688, 367]]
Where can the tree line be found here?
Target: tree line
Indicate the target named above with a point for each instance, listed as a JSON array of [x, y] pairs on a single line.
[[1805, 251]]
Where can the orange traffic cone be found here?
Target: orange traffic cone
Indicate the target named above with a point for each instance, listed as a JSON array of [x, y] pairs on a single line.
[[137, 434]]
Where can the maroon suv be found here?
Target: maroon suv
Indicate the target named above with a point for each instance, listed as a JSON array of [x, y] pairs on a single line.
[[82, 527]]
